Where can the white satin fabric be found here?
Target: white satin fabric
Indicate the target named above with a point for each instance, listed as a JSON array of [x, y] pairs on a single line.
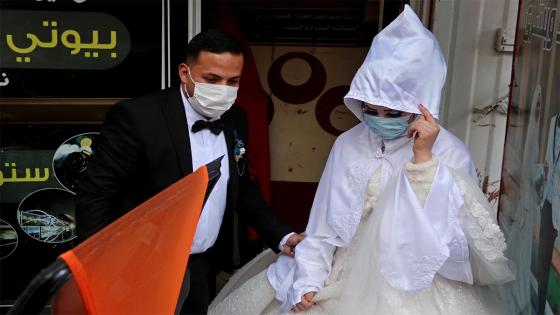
[[364, 289], [403, 68], [355, 286], [339, 201], [409, 245], [415, 240]]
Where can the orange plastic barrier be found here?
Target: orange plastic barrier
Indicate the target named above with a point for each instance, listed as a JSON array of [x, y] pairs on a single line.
[[136, 265]]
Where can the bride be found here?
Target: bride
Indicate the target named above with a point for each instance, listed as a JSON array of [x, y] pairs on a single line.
[[398, 224]]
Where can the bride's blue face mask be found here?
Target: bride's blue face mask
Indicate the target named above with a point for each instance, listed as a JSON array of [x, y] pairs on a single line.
[[387, 128]]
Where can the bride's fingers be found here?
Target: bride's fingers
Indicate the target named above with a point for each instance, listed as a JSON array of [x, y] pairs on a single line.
[[288, 250], [426, 114], [422, 131], [300, 308], [309, 296], [412, 129], [305, 304], [308, 303]]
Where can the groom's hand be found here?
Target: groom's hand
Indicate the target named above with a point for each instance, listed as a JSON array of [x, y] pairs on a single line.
[[290, 247], [306, 302]]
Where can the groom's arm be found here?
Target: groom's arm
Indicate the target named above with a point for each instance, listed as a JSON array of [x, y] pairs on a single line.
[[255, 211], [114, 159], [252, 207]]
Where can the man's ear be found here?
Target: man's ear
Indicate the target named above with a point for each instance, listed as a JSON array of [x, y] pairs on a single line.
[[186, 79], [184, 73]]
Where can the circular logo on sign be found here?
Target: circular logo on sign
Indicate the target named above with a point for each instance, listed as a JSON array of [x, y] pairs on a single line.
[[8, 239], [71, 158], [48, 215]]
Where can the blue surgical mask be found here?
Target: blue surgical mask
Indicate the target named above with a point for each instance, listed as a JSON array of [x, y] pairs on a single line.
[[387, 128]]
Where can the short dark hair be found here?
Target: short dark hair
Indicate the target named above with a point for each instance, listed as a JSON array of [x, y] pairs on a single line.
[[214, 41]]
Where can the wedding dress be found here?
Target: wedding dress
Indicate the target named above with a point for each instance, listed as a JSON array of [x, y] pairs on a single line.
[[444, 296], [386, 236]]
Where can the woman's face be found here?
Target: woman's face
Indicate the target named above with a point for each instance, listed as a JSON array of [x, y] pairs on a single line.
[[382, 111], [386, 122]]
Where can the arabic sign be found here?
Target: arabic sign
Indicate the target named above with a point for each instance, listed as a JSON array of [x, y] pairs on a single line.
[[318, 26], [540, 21], [90, 49], [62, 40], [39, 166], [352, 23], [22, 172], [5, 79]]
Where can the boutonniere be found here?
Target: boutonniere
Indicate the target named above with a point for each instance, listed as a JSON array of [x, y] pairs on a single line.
[[239, 152]]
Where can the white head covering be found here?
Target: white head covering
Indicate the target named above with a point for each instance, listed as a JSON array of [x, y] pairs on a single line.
[[404, 68]]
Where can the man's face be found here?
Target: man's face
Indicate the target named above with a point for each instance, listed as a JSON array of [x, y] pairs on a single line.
[[222, 69]]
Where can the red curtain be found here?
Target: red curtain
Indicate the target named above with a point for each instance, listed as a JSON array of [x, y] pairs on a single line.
[[254, 100]]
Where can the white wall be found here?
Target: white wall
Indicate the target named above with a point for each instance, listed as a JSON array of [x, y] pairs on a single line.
[[477, 76]]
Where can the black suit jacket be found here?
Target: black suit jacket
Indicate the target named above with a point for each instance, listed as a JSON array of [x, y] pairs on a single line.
[[144, 147]]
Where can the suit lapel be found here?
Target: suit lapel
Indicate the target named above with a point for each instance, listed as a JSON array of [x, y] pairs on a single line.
[[233, 174], [174, 112]]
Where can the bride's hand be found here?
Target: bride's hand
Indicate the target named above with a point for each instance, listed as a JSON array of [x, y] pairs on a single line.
[[427, 130], [290, 247], [306, 302]]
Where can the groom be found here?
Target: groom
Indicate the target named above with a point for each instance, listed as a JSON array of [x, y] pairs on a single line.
[[150, 142]]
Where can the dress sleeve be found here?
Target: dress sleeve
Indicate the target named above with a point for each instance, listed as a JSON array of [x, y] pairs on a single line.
[[314, 255], [420, 177], [486, 240]]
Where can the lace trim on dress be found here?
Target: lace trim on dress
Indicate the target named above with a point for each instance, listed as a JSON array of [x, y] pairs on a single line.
[[372, 193], [346, 223], [424, 269], [481, 227]]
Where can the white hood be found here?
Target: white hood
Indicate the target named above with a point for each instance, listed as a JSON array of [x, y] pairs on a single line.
[[403, 68]]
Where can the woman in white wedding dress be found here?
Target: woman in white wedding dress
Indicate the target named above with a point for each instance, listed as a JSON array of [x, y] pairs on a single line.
[[398, 224]]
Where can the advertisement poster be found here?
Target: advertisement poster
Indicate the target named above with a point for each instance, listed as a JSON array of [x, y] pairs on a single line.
[[39, 168], [529, 207], [90, 49]]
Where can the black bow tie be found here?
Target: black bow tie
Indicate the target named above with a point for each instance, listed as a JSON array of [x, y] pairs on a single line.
[[215, 126]]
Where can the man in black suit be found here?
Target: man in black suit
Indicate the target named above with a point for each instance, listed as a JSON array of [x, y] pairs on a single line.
[[150, 142]]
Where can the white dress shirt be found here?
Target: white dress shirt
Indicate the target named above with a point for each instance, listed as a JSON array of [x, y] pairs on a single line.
[[206, 147]]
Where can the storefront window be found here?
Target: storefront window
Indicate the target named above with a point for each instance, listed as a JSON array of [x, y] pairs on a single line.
[[64, 63]]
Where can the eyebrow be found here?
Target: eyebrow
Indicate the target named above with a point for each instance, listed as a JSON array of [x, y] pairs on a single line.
[[210, 74], [385, 110]]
